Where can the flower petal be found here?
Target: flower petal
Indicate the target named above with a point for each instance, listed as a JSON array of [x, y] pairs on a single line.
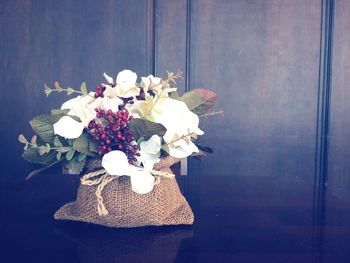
[[116, 163], [142, 182], [68, 127], [126, 78], [108, 78], [182, 149]]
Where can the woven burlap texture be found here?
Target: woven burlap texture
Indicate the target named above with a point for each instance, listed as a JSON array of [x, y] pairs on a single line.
[[164, 205]]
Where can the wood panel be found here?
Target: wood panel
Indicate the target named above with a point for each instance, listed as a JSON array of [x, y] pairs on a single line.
[[70, 41], [339, 136], [171, 29], [262, 58]]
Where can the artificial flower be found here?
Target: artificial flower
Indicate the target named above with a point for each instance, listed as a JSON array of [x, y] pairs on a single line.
[[150, 152], [68, 128], [116, 163], [83, 107], [125, 84], [181, 148]]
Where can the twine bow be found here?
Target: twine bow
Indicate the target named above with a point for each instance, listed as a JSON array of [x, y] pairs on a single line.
[[102, 178]]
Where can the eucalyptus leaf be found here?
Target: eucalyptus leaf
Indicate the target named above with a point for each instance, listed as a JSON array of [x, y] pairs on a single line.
[[34, 139], [83, 88], [57, 142], [70, 154], [42, 150], [143, 128], [70, 91], [59, 156], [47, 90], [48, 147], [22, 139]]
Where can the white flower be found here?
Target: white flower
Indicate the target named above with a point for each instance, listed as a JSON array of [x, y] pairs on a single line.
[[181, 148], [180, 122], [116, 163], [150, 152], [151, 83], [154, 84], [110, 104], [83, 107], [125, 84], [68, 127], [126, 79]]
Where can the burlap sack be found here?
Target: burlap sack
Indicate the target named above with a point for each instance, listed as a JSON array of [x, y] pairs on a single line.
[[164, 205]]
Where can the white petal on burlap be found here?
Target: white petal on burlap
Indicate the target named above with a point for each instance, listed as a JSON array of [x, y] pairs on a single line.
[[116, 163]]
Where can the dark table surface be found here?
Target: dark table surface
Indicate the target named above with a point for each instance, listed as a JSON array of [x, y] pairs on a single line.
[[238, 219]]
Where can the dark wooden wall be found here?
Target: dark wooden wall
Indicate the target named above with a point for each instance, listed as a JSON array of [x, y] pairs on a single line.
[[280, 68]]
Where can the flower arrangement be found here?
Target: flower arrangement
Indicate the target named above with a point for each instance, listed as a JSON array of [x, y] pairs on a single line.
[[127, 125]]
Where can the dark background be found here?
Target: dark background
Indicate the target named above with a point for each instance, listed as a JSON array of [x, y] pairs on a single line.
[[280, 68]]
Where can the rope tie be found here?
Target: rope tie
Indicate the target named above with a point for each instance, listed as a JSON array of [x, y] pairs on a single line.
[[102, 178]]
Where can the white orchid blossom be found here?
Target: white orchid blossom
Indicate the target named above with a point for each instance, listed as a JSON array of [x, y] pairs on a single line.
[[83, 107], [151, 83], [125, 84], [181, 147], [155, 84], [68, 128], [150, 152], [116, 163], [181, 125]]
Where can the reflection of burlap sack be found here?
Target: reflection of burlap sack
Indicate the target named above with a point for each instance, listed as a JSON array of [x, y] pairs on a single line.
[[164, 205], [127, 245]]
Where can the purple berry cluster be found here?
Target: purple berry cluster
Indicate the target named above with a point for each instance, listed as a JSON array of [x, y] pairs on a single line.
[[112, 131]]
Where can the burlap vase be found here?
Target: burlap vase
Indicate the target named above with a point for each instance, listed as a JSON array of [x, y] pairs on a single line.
[[164, 205]]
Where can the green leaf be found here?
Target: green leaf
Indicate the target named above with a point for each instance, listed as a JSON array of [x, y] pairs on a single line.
[[81, 144], [70, 91], [43, 126], [75, 166], [81, 156], [199, 101], [22, 139], [32, 155], [42, 150], [57, 142], [83, 88], [47, 90], [59, 111], [93, 146], [34, 139], [48, 147], [25, 147], [143, 128], [58, 156], [70, 154], [174, 95]]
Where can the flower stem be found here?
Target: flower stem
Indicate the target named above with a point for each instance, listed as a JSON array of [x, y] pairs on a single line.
[[212, 114]]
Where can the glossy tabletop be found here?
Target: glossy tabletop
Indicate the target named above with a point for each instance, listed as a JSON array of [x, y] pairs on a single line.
[[237, 219]]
